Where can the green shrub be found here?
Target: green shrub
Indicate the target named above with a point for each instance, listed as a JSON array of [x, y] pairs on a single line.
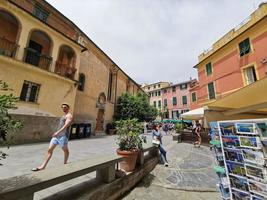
[[128, 132], [179, 127]]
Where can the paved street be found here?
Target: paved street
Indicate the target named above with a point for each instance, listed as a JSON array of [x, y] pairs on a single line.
[[189, 175]]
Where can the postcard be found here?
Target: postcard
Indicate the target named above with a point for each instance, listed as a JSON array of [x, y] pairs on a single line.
[[231, 141], [234, 155], [256, 197], [239, 195], [262, 128], [246, 128], [236, 168], [250, 142], [239, 183], [257, 187], [224, 191], [258, 173], [227, 128], [252, 156]]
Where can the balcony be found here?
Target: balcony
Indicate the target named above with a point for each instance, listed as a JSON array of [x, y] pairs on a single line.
[[33, 57], [8, 48], [65, 70]]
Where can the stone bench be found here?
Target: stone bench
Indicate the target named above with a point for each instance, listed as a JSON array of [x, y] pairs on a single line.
[[23, 187]]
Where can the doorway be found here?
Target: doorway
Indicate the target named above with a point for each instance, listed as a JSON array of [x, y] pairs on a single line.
[[100, 120]]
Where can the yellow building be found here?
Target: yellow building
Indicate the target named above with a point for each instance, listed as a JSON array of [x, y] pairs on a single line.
[[47, 60]]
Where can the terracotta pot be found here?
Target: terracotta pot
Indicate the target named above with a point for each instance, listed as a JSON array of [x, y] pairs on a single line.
[[129, 162]]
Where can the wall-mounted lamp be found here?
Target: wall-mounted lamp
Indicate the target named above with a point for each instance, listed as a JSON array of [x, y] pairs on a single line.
[[263, 61]]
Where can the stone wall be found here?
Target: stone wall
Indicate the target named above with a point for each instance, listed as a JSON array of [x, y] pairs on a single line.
[[36, 128]]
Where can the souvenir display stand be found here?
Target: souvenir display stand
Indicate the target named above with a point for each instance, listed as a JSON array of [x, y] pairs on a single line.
[[240, 151]]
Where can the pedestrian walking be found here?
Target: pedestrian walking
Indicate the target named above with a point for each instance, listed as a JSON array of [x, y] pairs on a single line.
[[60, 137], [157, 136], [197, 132]]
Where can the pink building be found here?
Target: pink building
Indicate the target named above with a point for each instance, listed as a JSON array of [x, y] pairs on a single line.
[[176, 99], [236, 60]]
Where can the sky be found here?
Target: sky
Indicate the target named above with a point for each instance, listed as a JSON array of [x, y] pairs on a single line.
[[156, 40]]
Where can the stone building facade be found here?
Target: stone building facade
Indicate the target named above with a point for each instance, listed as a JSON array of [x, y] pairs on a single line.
[[47, 60]]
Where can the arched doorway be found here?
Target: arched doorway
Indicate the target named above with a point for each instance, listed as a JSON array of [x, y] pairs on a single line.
[[9, 33], [100, 104]]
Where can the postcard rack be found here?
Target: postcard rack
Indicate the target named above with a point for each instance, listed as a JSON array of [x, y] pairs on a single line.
[[240, 153]]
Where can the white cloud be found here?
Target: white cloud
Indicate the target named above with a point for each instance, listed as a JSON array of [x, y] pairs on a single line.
[[153, 40]]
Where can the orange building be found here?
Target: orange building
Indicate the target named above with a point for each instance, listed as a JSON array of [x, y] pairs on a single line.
[[236, 60]]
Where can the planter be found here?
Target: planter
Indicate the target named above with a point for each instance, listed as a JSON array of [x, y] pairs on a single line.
[[129, 162]]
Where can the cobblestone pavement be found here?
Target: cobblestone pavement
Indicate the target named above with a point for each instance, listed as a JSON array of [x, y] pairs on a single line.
[[189, 176]]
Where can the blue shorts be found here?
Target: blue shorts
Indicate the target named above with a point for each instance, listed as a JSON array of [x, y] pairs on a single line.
[[61, 141]]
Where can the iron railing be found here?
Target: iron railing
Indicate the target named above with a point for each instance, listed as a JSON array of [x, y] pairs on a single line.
[[8, 48], [65, 70], [33, 57]]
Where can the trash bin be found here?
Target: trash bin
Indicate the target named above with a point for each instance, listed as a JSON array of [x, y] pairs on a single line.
[[81, 131], [87, 130], [73, 131]]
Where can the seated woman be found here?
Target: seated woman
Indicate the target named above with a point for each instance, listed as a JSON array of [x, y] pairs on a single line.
[[158, 137]]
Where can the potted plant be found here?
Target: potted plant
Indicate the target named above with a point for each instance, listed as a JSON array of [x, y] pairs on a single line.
[[129, 142]]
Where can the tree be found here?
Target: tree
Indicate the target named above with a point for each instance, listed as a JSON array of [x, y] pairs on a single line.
[[7, 123], [130, 106]]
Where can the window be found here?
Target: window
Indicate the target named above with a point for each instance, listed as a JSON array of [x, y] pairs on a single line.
[[81, 82], [159, 103], [250, 75], [110, 86], [164, 91], [183, 87], [165, 102], [208, 69], [148, 88], [173, 89], [174, 101], [175, 114], [211, 90], [152, 94], [29, 91], [158, 85], [244, 47], [184, 100], [154, 86], [156, 93], [159, 93], [40, 13], [155, 104], [194, 97]]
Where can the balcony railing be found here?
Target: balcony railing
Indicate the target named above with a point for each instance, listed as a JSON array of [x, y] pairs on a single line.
[[8, 48], [35, 58], [65, 70]]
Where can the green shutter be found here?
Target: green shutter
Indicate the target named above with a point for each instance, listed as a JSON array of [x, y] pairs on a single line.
[[174, 101], [211, 91], [184, 100], [165, 102], [194, 98], [159, 103], [244, 47], [208, 69]]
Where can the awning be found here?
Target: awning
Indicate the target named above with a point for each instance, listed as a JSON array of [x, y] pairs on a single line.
[[194, 114], [249, 99]]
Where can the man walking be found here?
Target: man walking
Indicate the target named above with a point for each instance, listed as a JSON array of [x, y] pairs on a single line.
[[60, 137]]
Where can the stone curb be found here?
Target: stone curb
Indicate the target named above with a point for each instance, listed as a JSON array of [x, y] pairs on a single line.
[[191, 189]]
